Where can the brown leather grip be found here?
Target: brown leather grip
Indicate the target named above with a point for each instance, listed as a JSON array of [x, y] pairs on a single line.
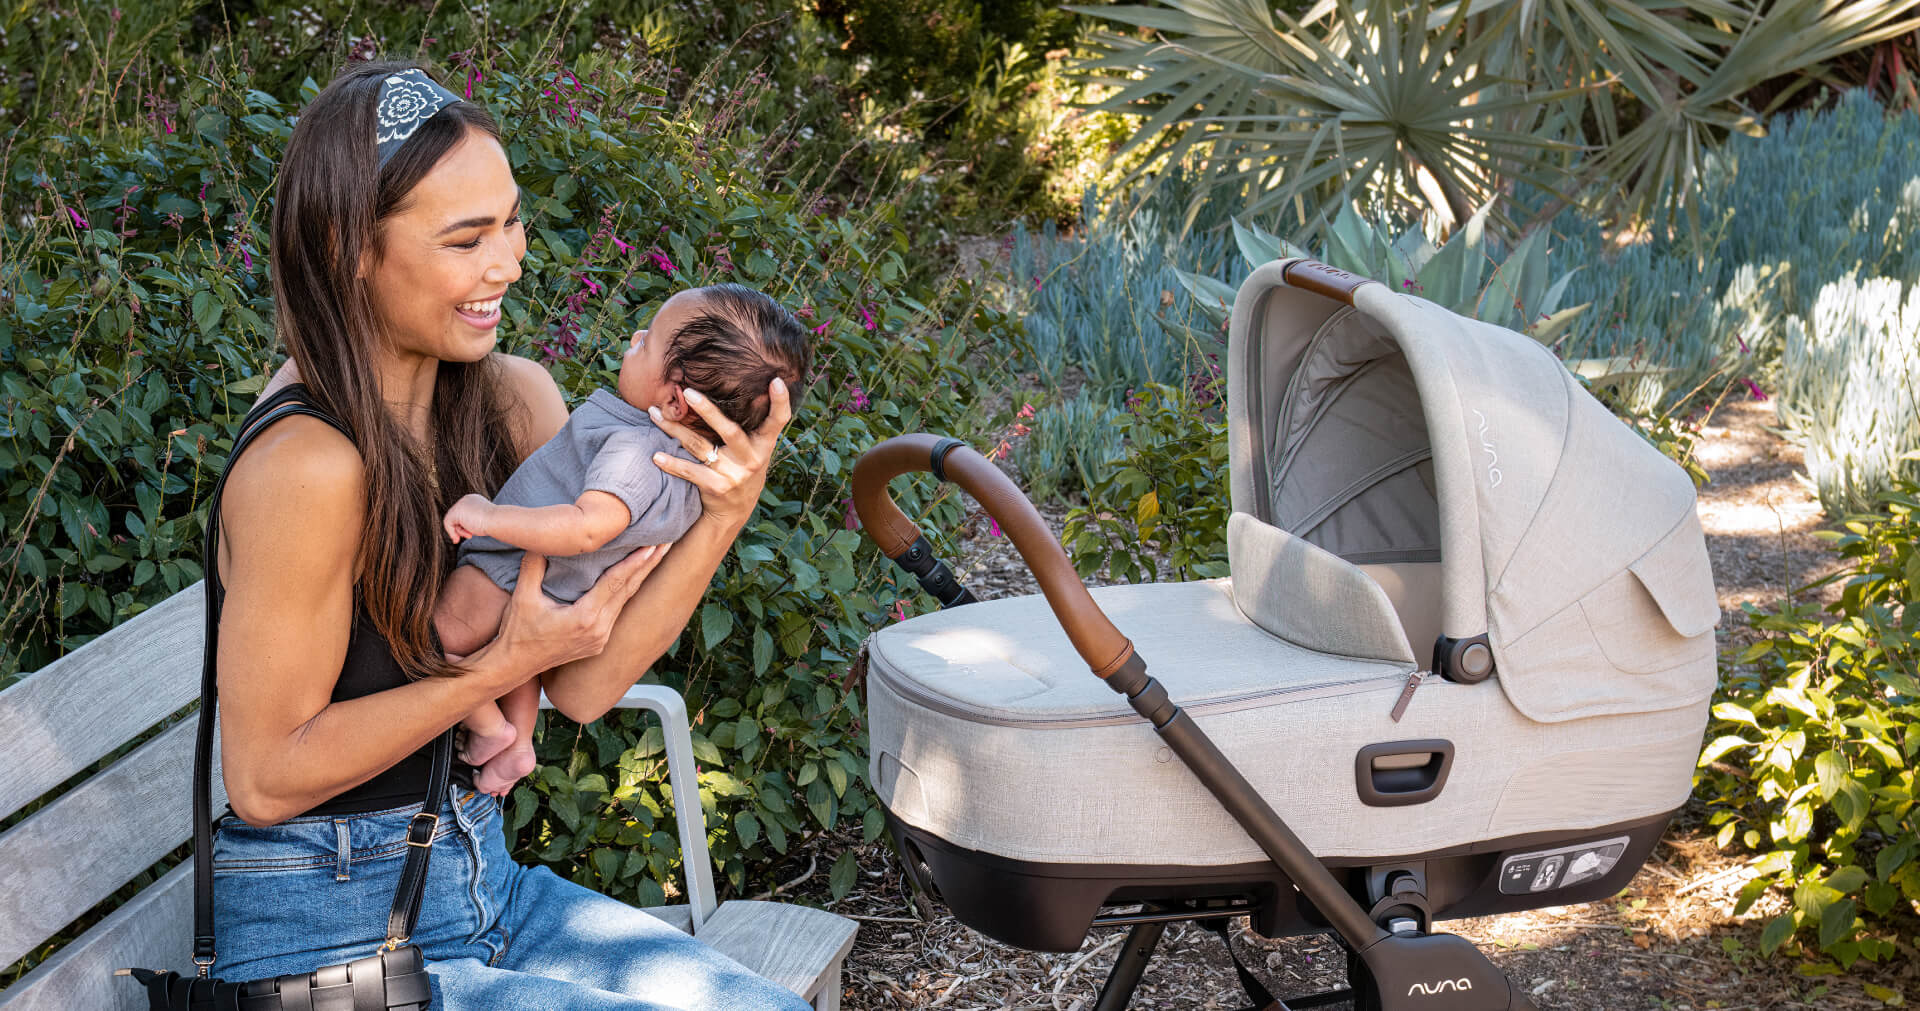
[[1096, 640], [1334, 283]]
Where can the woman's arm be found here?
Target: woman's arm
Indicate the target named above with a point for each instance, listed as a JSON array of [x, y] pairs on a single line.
[[585, 689], [288, 613], [285, 622]]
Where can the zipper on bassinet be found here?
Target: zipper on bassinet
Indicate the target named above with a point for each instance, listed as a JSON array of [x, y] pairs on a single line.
[[1406, 694]]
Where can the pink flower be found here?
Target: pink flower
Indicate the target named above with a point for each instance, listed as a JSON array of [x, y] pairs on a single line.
[[660, 261], [1754, 389], [993, 527], [899, 611], [1743, 343], [860, 401], [78, 221], [623, 246], [866, 316], [804, 312], [1019, 429], [822, 328], [246, 257], [1026, 411], [1036, 282], [853, 518]]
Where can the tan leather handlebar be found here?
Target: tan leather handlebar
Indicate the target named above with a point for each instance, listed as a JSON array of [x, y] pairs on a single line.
[[1093, 636], [1316, 277]]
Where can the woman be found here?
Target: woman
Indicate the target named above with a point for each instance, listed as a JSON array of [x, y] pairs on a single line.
[[395, 234]]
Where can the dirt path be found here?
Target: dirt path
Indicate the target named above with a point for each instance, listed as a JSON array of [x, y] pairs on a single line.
[[1669, 941]]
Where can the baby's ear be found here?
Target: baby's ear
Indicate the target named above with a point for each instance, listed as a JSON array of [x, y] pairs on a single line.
[[676, 406]]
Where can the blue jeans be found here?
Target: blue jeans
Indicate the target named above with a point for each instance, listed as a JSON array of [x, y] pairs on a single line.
[[315, 891]]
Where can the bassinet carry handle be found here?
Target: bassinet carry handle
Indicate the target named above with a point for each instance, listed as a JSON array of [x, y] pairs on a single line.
[[1094, 637], [1317, 277]]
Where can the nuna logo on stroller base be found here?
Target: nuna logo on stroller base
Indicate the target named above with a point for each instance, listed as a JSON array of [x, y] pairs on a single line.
[[1571, 618]]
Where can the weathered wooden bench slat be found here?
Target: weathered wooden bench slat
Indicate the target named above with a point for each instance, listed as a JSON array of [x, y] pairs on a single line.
[[95, 838], [154, 930], [83, 705], [796, 947]]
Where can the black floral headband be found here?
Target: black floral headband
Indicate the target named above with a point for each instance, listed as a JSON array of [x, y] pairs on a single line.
[[407, 99]]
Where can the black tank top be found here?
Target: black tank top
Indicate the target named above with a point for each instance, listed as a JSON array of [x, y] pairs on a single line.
[[369, 667]]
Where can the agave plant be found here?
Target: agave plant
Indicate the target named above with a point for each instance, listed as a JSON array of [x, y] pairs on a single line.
[[1519, 294], [1278, 105]]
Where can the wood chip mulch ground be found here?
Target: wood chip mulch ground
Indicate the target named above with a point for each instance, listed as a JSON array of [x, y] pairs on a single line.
[[1669, 941]]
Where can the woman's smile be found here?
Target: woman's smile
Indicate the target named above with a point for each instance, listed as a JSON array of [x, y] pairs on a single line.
[[483, 313]]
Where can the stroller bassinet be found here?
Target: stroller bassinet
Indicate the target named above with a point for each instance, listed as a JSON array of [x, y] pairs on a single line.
[[1465, 652]]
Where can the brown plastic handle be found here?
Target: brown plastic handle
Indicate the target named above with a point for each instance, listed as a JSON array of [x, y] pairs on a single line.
[[1316, 277], [1093, 636]]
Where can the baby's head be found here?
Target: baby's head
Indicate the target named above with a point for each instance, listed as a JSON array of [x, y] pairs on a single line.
[[729, 342]]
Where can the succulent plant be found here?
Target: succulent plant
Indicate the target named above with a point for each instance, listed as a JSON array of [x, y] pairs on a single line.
[[1850, 388]]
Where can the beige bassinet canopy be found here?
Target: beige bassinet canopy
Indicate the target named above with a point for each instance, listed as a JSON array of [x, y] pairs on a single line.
[[1402, 473]]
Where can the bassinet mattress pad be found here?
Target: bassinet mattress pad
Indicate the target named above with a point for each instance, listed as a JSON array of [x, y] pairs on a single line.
[[989, 731]]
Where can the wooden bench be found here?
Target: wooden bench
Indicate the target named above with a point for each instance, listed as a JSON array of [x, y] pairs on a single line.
[[87, 842]]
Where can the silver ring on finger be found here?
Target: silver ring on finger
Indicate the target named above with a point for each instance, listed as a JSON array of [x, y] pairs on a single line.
[[713, 453]]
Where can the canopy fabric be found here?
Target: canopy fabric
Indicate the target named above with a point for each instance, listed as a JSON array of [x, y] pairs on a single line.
[[1395, 431]]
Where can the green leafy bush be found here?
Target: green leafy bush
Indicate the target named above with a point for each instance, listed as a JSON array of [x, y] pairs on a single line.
[[1811, 762], [137, 332], [1162, 513]]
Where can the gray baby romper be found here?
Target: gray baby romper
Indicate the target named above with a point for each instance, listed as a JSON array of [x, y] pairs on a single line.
[[606, 445]]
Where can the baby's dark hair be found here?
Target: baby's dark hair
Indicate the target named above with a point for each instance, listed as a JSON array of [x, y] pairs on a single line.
[[731, 349]]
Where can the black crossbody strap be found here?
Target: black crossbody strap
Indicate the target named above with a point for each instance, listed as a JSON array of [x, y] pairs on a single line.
[[406, 900]]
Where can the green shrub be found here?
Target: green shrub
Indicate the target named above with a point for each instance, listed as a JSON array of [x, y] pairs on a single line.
[[1162, 513], [138, 331], [1811, 763]]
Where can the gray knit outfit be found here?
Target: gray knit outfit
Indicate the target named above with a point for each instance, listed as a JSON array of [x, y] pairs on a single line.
[[606, 445]]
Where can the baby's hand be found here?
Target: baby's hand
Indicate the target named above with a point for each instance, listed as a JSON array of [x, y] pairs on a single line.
[[468, 517]]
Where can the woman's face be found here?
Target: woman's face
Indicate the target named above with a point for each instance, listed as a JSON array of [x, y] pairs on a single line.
[[446, 258]]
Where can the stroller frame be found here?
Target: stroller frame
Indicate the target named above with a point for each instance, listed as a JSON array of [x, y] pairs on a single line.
[[1395, 963]]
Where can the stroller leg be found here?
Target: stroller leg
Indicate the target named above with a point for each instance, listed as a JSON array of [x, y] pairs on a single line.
[[1130, 966]]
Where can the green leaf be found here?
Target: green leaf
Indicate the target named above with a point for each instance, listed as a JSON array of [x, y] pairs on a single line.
[[207, 311], [1831, 770], [763, 650], [845, 870], [1836, 922], [748, 828], [872, 824], [1778, 930], [716, 623], [837, 776]]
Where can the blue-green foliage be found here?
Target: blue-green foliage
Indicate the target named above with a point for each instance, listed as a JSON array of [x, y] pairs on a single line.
[[1850, 387], [1071, 446], [1108, 300], [1826, 194]]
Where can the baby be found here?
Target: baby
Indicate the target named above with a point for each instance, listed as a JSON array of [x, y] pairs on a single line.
[[592, 493]]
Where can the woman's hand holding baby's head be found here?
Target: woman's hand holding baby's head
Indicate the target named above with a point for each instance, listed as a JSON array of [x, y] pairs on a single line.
[[736, 468]]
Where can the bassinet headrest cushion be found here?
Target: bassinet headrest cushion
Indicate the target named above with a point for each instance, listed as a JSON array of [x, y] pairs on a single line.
[[1309, 596]]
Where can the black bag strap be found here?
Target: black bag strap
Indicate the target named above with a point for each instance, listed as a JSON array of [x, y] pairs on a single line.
[[413, 877]]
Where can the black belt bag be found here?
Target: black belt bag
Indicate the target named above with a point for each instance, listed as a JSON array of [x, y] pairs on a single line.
[[394, 978]]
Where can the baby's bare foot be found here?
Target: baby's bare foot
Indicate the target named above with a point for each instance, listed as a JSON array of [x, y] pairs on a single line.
[[499, 774], [482, 748]]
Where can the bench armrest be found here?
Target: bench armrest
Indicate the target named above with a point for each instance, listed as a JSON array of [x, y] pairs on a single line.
[[672, 710]]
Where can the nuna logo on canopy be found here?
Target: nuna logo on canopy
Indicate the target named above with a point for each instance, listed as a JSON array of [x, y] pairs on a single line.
[[1445, 985], [1494, 477]]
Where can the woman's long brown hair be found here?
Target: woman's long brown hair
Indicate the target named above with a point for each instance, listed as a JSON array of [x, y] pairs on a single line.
[[330, 199]]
